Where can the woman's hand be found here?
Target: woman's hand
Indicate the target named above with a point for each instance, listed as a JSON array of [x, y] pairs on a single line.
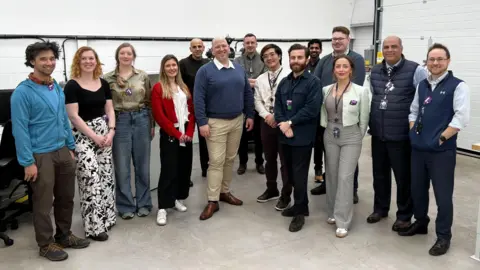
[[109, 138], [99, 140]]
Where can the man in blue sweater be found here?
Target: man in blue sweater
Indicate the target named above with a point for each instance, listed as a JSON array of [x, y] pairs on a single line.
[[324, 71], [44, 145], [223, 97], [440, 109], [297, 103]]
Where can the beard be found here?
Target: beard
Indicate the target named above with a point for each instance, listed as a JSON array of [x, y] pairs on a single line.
[[297, 67]]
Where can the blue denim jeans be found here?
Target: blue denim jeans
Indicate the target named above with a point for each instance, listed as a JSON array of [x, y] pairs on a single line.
[[132, 140]]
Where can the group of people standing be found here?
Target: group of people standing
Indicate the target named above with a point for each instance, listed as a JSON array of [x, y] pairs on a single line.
[[320, 105]]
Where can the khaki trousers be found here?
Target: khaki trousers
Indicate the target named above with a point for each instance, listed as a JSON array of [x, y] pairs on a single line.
[[222, 144]]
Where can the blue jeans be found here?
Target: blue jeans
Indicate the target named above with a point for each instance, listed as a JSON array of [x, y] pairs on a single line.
[[132, 139]]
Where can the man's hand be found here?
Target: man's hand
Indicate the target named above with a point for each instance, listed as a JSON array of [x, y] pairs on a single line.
[[31, 173], [284, 126], [72, 154], [270, 120], [249, 124], [205, 131], [289, 133], [252, 82], [412, 124]]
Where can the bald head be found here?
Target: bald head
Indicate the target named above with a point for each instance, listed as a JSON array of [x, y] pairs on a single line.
[[392, 49], [197, 48]]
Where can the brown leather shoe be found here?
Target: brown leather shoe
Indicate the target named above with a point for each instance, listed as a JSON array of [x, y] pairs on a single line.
[[209, 210], [230, 199]]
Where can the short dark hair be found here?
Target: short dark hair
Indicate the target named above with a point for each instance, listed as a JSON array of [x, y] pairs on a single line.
[[441, 47], [344, 56], [297, 46], [341, 29], [250, 35], [34, 49], [274, 47], [315, 41]]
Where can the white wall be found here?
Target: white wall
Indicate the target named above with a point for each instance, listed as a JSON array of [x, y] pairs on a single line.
[[363, 39], [453, 23], [363, 13]]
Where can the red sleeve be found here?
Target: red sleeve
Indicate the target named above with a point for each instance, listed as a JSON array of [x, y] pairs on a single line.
[[159, 114], [191, 118]]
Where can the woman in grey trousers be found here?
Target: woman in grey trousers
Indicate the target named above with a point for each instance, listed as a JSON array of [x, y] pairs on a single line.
[[344, 113]]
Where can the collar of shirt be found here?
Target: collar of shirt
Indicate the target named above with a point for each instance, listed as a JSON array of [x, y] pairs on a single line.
[[439, 79], [396, 64], [134, 72], [346, 52], [276, 72], [220, 65]]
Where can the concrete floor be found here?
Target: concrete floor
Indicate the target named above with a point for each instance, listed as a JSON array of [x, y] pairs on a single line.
[[255, 236]]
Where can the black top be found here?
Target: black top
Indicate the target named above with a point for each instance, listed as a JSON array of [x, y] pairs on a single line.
[[189, 68], [90, 104]]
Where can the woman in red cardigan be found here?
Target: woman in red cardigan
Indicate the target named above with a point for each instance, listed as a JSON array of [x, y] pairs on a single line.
[[172, 109]]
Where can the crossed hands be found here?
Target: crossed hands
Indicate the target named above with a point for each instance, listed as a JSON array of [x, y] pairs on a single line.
[[184, 138], [104, 141], [286, 129]]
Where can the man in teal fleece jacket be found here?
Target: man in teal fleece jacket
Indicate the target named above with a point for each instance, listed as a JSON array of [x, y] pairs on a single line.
[[44, 145]]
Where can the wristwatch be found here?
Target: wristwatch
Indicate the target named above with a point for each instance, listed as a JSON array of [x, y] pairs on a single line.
[[442, 138], [289, 122]]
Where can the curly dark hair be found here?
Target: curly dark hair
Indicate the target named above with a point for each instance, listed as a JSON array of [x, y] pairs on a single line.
[[34, 49]]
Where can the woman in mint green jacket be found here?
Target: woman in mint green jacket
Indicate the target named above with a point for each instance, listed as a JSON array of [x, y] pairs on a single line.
[[345, 113]]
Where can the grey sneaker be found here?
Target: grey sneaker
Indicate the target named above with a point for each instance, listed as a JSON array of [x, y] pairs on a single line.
[[143, 212], [127, 215]]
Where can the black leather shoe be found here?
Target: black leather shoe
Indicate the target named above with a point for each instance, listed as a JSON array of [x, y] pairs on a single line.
[[283, 203], [401, 226], [261, 169], [440, 247], [242, 169], [268, 196], [297, 223], [415, 228], [375, 217], [320, 190]]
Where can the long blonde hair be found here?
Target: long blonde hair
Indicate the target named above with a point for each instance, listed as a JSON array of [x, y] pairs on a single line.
[[167, 89]]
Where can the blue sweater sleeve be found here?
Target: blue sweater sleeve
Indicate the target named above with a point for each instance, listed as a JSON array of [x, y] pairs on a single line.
[[20, 119], [312, 106], [359, 77], [199, 97], [70, 141], [248, 99]]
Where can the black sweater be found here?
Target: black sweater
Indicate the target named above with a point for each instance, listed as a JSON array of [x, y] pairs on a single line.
[[189, 68]]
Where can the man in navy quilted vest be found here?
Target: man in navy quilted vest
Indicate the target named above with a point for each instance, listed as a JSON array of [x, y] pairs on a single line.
[[393, 84], [440, 109]]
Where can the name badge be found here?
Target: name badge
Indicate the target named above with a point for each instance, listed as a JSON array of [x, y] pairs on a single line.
[[427, 100], [289, 105], [383, 104]]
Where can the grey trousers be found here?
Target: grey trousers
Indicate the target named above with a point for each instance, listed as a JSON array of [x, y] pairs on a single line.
[[341, 158]]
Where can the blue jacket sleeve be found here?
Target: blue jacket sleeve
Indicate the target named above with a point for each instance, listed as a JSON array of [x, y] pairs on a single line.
[[248, 99], [20, 109], [359, 76], [312, 105], [278, 108], [70, 141], [200, 90]]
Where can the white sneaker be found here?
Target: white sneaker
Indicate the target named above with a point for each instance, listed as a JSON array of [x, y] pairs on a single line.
[[162, 217], [331, 221], [341, 233], [180, 206]]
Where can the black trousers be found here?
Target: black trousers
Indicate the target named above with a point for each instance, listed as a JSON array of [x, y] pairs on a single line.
[[297, 161], [319, 150], [440, 168], [243, 148], [388, 156], [176, 162], [202, 146]]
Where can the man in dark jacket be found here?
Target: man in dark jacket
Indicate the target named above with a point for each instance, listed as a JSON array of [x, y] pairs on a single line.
[[393, 84], [297, 103]]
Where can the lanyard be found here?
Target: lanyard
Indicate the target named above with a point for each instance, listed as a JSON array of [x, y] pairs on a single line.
[[275, 81], [341, 96]]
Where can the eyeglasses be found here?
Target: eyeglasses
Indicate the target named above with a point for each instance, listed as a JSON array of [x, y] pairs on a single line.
[[439, 60]]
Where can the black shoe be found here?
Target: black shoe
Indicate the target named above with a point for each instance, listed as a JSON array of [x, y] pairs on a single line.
[[440, 247], [242, 169], [53, 252], [415, 228], [320, 190], [191, 183], [261, 169], [283, 203], [355, 198], [297, 223], [290, 213], [204, 173], [268, 196], [375, 217], [401, 226], [100, 237]]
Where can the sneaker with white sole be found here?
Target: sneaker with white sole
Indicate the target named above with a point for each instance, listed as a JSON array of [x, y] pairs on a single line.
[[331, 221], [162, 217], [179, 206], [341, 233]]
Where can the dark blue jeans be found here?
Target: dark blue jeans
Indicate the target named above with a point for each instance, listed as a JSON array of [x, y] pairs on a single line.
[[132, 140]]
